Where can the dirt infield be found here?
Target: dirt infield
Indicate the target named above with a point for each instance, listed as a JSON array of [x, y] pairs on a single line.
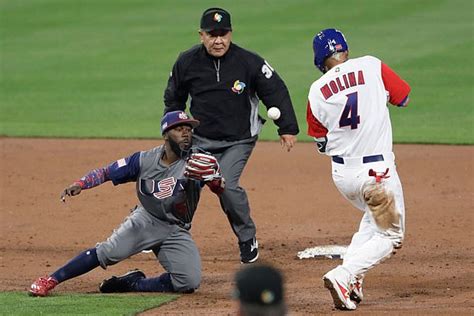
[[294, 204]]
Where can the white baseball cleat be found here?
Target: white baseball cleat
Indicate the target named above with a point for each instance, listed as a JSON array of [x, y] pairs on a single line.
[[337, 281], [356, 286]]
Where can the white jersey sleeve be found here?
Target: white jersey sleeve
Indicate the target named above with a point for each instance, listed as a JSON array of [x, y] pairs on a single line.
[[349, 103]]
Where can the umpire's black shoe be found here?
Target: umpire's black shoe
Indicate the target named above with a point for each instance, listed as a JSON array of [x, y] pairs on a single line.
[[122, 283], [248, 251]]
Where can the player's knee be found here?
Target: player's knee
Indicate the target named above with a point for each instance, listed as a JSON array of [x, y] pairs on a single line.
[[186, 282], [108, 255], [105, 261]]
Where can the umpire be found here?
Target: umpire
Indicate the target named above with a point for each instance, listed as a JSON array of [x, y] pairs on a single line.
[[226, 83]]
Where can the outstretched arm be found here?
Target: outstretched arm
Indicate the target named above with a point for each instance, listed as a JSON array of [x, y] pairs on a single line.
[[92, 179], [120, 171]]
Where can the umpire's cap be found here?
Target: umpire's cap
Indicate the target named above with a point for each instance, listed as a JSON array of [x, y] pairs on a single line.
[[260, 285], [215, 19], [172, 119]]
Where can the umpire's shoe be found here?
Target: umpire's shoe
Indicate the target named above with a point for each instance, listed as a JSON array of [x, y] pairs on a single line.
[[123, 283], [248, 251]]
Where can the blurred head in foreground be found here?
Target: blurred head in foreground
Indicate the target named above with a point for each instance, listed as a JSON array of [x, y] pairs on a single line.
[[259, 290]]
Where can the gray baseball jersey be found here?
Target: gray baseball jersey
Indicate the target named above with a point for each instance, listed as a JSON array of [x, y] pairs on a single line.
[[162, 221], [164, 191]]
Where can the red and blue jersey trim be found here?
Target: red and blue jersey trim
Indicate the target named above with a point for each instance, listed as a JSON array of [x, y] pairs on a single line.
[[397, 88]]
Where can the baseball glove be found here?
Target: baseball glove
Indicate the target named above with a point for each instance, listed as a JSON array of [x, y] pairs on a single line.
[[202, 167]]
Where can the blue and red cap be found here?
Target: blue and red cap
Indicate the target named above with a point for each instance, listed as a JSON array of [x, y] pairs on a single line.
[[175, 118], [325, 44]]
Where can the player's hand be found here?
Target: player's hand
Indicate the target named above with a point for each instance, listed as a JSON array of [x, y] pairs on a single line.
[[287, 141], [202, 167], [73, 189]]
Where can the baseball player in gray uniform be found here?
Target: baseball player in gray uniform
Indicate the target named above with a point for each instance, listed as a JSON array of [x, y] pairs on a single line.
[[168, 179]]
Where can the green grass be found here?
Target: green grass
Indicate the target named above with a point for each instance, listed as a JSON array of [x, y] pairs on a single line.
[[19, 303], [98, 68]]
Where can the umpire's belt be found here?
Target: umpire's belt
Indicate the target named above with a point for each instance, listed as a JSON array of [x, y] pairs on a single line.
[[366, 159]]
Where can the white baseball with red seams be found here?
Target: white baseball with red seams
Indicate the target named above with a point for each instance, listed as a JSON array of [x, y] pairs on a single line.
[[347, 110], [273, 113]]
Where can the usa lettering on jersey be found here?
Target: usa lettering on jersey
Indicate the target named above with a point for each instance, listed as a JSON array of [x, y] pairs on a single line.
[[161, 189], [166, 188]]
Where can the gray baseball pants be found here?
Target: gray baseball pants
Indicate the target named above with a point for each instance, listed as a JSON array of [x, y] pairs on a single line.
[[232, 157], [173, 246]]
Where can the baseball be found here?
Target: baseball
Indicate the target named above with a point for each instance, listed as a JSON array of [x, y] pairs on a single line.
[[273, 113]]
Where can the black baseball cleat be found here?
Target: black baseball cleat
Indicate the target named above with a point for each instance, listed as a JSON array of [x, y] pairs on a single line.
[[122, 283], [248, 251]]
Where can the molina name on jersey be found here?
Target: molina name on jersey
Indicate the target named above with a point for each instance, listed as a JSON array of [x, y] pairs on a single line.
[[341, 102]]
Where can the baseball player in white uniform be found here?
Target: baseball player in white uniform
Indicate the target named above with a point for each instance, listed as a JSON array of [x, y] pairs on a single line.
[[348, 117]]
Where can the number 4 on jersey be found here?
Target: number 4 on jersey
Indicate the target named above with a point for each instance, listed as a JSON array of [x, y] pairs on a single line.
[[349, 115]]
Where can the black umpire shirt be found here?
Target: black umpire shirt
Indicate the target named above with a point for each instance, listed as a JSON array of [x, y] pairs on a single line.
[[225, 93]]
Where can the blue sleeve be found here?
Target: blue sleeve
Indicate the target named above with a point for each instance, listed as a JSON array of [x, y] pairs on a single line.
[[125, 170]]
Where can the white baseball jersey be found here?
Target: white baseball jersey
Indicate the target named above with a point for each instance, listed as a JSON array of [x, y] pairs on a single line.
[[348, 106]]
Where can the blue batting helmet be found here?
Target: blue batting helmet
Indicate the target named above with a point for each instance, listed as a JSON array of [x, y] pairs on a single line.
[[326, 43]]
